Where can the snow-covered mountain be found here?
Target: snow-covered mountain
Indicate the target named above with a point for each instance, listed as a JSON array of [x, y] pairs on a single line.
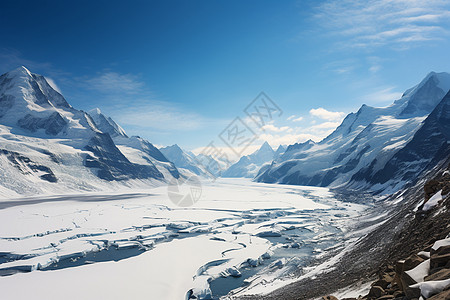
[[249, 165], [135, 148], [186, 161], [370, 137], [47, 145], [429, 145], [106, 124]]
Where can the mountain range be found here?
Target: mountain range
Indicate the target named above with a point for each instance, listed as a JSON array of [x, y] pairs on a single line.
[[249, 165], [48, 146], [380, 149]]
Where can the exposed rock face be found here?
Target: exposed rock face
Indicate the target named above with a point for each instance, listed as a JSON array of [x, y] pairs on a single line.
[[45, 136], [27, 166], [52, 125], [112, 164], [426, 272], [430, 144]]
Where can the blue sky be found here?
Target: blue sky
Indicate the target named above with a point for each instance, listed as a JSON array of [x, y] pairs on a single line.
[[181, 71]]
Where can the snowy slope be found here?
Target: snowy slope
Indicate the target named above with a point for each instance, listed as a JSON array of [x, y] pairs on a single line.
[[249, 165], [370, 137], [429, 145], [187, 161], [48, 146], [106, 124], [136, 149]]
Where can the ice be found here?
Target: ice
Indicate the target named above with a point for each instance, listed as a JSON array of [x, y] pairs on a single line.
[[139, 245], [433, 201], [420, 271], [424, 254], [430, 288], [232, 271], [441, 243]]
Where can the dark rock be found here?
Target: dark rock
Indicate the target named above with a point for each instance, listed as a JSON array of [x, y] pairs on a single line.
[[27, 166], [386, 297], [112, 164], [411, 262], [441, 250], [406, 281], [329, 297], [440, 275], [52, 124], [376, 291], [412, 293], [444, 295], [398, 294], [439, 261]]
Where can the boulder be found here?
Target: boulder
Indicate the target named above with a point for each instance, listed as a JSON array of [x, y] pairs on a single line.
[[411, 262], [441, 250], [406, 281], [445, 295], [376, 291], [412, 292], [440, 260], [399, 294], [440, 275], [399, 270]]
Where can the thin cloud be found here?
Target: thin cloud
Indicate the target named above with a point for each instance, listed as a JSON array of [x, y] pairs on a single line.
[[157, 115], [52, 83], [324, 114], [325, 125], [384, 95], [273, 128], [376, 23], [298, 119], [113, 82]]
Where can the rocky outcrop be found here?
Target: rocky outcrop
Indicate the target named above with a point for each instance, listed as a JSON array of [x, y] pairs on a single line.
[[424, 274], [28, 167]]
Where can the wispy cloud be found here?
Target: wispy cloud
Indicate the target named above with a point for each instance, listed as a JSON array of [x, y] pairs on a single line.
[[273, 128], [325, 125], [53, 84], [324, 114], [114, 82], [383, 95], [294, 118], [397, 23], [157, 115]]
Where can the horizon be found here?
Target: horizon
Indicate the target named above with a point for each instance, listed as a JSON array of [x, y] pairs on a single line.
[[209, 67]]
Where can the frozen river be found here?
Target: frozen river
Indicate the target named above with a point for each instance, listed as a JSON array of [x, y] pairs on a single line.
[[240, 238]]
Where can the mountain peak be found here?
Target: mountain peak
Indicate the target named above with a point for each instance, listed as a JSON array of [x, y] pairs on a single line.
[[106, 124], [95, 111], [22, 70], [281, 148], [265, 146], [21, 73], [423, 98]]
